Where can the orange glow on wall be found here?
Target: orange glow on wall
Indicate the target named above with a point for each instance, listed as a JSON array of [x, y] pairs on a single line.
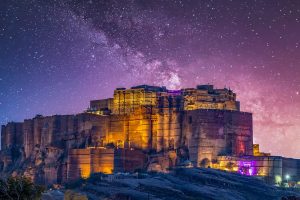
[[85, 170]]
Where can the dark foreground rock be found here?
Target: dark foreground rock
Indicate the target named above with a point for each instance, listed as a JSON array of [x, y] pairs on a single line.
[[186, 184]]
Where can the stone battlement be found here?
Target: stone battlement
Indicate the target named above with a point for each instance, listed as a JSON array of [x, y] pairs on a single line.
[[202, 97]]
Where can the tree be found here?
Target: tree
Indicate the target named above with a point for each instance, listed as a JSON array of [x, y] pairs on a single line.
[[19, 188]]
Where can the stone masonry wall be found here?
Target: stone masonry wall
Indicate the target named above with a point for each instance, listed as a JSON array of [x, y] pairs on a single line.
[[209, 133], [40, 145], [43, 143]]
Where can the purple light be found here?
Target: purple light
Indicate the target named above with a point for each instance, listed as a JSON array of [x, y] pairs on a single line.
[[247, 168], [251, 172], [174, 92]]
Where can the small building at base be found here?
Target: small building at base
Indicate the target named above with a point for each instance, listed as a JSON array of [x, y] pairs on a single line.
[[84, 162], [272, 169]]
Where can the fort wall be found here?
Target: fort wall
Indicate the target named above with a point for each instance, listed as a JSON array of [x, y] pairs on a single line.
[[84, 162], [200, 126]]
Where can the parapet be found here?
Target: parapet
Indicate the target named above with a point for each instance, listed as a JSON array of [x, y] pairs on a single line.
[[126, 101]]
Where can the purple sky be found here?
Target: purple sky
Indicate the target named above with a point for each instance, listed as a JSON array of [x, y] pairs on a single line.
[[56, 57]]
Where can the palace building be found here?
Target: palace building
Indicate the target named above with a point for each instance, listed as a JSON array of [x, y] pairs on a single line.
[[142, 128]]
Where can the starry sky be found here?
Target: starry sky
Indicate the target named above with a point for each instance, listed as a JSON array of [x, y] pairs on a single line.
[[55, 56]]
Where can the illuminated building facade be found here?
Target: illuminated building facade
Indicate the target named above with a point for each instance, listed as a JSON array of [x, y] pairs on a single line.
[[204, 120], [84, 162], [273, 169], [143, 127]]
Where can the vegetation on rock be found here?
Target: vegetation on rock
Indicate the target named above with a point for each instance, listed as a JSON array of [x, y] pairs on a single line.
[[19, 188]]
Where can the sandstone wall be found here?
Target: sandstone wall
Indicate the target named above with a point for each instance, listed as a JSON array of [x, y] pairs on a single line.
[[273, 169], [11, 135], [169, 131], [209, 133], [84, 162], [61, 131], [40, 145], [3, 135], [134, 130], [205, 133], [198, 135]]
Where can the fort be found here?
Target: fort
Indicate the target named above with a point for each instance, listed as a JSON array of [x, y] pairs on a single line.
[[142, 128]]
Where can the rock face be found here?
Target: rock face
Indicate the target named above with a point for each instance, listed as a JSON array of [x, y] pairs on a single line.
[[181, 184], [38, 147], [197, 125], [53, 195]]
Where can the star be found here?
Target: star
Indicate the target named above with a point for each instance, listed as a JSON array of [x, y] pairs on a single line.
[[70, 52]]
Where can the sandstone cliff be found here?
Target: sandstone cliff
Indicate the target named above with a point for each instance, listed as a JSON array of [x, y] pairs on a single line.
[[38, 147]]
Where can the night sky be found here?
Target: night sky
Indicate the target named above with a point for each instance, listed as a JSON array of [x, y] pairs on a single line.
[[55, 56]]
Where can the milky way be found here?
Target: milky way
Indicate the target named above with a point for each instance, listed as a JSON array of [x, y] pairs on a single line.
[[56, 56]]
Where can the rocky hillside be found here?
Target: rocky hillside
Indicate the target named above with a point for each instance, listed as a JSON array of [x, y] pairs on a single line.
[[183, 184]]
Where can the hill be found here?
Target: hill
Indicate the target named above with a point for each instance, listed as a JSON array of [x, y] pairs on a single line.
[[183, 184]]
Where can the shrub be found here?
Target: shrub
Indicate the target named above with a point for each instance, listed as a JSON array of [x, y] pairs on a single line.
[[20, 188]]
